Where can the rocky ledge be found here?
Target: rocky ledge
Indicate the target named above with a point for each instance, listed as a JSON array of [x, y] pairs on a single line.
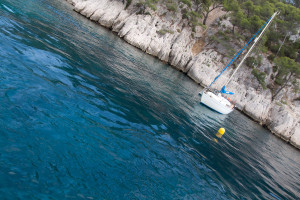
[[167, 36]]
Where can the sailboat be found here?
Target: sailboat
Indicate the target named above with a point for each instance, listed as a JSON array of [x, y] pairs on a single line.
[[214, 99]]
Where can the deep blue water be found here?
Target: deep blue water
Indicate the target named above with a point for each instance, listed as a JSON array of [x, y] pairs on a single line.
[[84, 115]]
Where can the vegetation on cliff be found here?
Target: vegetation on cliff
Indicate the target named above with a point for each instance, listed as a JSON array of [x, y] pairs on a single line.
[[277, 43], [281, 43]]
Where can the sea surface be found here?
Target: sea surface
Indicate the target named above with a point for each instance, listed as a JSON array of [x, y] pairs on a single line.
[[84, 115]]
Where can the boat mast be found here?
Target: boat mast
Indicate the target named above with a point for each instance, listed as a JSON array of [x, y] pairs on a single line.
[[255, 41]]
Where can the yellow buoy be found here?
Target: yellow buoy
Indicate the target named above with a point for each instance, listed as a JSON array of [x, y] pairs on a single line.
[[221, 132]]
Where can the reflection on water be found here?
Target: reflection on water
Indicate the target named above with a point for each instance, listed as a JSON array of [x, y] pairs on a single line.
[[84, 115]]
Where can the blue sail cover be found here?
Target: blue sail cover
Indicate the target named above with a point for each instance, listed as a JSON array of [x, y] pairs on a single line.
[[224, 91]]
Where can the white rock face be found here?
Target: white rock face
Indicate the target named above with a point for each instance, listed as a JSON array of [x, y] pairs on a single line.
[[204, 67], [120, 21], [138, 31], [258, 106], [163, 35], [281, 122], [79, 5], [295, 139]]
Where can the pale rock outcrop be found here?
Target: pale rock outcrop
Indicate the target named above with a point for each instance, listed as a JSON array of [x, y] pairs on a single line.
[[79, 5], [253, 103], [165, 35], [111, 13], [120, 21], [100, 10], [104, 11], [156, 46], [281, 122], [89, 8], [204, 67], [295, 139], [140, 31], [181, 50]]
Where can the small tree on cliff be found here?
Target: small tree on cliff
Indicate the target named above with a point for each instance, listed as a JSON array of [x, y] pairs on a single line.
[[236, 15], [207, 6], [143, 5], [128, 2], [249, 7], [288, 69]]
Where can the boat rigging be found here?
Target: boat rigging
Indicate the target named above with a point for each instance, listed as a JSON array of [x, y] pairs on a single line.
[[214, 99]]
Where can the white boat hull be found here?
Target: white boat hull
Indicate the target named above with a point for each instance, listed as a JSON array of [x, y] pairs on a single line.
[[216, 102]]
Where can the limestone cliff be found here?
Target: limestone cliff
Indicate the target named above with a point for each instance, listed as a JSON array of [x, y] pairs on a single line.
[[167, 36]]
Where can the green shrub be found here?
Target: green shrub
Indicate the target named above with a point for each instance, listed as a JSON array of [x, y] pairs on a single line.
[[224, 35], [259, 60], [271, 57], [260, 76], [253, 61], [263, 49], [290, 52], [296, 86], [275, 68], [171, 7], [279, 80], [128, 4], [239, 36], [250, 62], [283, 102], [274, 48], [185, 14], [186, 2], [152, 6], [164, 31]]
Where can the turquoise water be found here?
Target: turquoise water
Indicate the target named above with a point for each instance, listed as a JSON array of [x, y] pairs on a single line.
[[84, 115]]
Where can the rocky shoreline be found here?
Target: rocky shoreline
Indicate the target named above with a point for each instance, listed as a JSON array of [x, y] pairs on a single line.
[[165, 35]]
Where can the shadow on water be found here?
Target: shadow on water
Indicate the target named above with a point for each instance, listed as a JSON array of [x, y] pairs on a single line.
[[85, 115]]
